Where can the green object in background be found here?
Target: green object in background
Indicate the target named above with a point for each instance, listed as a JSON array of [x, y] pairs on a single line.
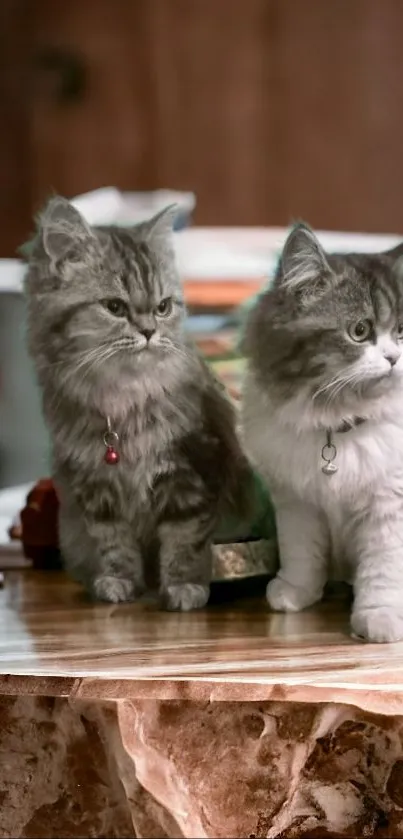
[[263, 525], [229, 367], [260, 525]]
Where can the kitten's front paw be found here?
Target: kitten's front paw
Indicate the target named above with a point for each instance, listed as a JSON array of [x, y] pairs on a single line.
[[184, 598], [284, 597], [381, 625], [114, 589]]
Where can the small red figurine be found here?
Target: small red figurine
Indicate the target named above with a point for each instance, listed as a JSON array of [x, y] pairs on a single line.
[[39, 525]]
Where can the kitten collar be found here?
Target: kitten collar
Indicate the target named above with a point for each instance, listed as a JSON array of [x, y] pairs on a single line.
[[347, 425], [329, 450]]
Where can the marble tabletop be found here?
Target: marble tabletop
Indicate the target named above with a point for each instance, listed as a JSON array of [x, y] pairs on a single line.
[[53, 641]]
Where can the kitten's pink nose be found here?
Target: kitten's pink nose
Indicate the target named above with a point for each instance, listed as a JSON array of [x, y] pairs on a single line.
[[148, 333], [392, 357]]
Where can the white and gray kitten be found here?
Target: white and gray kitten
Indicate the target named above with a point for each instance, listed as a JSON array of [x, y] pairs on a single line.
[[323, 423], [106, 332]]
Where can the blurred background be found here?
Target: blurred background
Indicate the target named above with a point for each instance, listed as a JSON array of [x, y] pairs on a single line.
[[266, 109]]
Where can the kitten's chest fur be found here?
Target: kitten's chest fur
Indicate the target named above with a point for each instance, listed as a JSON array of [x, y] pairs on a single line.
[[147, 448]]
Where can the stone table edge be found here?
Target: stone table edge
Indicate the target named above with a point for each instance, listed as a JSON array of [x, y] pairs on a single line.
[[388, 702]]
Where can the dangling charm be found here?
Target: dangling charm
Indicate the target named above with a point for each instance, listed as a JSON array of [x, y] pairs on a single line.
[[111, 440], [329, 454]]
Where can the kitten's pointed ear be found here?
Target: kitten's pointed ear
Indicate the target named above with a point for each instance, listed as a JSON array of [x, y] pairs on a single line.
[[396, 252], [64, 232], [161, 225], [396, 255], [303, 260]]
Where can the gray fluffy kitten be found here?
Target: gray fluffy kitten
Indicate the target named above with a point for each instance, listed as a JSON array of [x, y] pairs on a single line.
[[323, 421], [106, 332]]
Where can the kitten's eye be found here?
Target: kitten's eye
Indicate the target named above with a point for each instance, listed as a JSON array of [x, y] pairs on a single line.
[[400, 330], [116, 307], [360, 331], [164, 308]]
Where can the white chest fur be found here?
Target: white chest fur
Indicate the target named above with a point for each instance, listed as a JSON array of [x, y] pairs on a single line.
[[369, 461], [368, 457]]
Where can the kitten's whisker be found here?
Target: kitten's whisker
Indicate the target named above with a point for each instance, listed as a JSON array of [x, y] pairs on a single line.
[[68, 361], [336, 391], [90, 357], [93, 358], [328, 385], [100, 357], [336, 384], [341, 384], [174, 348], [93, 363]]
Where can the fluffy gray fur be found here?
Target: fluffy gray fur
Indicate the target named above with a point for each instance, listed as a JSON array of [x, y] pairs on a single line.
[[106, 333]]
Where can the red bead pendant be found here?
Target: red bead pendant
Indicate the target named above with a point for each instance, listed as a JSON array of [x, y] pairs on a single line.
[[111, 456]]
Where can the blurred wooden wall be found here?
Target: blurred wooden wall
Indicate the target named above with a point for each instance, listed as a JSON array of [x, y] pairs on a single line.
[[267, 109]]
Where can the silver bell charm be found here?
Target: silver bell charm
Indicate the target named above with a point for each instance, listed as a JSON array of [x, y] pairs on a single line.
[[329, 454]]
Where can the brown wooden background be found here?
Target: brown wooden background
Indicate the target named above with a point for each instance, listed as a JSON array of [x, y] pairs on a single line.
[[267, 109]]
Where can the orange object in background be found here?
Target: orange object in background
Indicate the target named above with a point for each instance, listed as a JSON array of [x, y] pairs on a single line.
[[220, 293]]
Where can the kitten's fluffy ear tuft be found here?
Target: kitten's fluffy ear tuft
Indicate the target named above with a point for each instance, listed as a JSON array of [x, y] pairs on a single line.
[[63, 230], [303, 260]]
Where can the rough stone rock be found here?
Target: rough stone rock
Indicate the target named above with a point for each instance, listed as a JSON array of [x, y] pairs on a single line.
[[153, 768]]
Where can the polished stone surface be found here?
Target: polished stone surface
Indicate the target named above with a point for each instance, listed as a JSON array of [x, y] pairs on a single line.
[[50, 633], [122, 721]]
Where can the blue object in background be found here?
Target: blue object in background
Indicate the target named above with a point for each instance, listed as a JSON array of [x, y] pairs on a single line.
[[24, 444], [182, 220]]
